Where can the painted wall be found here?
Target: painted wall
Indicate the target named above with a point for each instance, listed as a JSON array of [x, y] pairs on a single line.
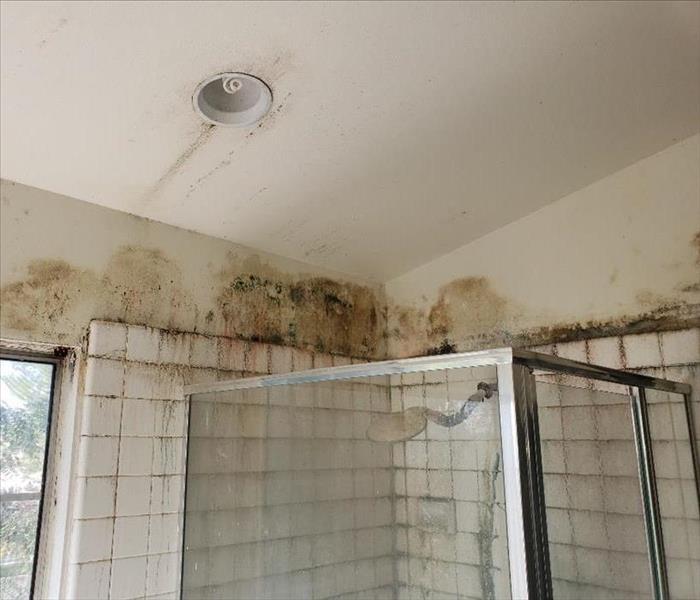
[[65, 262], [620, 255]]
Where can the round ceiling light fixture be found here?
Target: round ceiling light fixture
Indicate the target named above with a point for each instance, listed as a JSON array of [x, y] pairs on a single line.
[[232, 99]]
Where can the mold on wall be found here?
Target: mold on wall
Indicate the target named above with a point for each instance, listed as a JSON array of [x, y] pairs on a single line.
[[59, 271], [621, 256], [314, 312]]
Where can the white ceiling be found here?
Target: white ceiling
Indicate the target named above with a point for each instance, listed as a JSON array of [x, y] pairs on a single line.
[[400, 131]]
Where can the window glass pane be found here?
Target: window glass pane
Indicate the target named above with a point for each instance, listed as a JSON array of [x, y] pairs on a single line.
[[25, 401]]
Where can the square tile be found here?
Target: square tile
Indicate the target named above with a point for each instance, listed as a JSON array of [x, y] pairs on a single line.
[[142, 344], [133, 496], [416, 455], [205, 352], [164, 533], [257, 358], [614, 422], [90, 581], [168, 456], [130, 536], [95, 497], [681, 347], [92, 540], [642, 350], [175, 348], [152, 382], [573, 351], [618, 458], [138, 417], [135, 456], [107, 340], [582, 457], [466, 485], [104, 377], [101, 416], [128, 578], [578, 423], [98, 456], [438, 455], [280, 359], [606, 352], [163, 573], [170, 418]]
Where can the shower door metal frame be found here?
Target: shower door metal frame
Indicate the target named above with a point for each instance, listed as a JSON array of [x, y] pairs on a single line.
[[637, 385], [528, 543]]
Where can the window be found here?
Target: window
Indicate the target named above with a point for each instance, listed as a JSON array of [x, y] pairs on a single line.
[[26, 395]]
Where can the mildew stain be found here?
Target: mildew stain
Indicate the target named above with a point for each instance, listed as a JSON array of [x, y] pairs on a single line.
[[487, 534], [138, 285], [469, 315], [62, 22], [249, 300], [45, 295], [468, 303], [202, 138], [266, 123], [314, 312], [142, 283]]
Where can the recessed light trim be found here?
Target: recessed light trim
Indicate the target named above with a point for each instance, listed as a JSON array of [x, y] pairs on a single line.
[[232, 99]]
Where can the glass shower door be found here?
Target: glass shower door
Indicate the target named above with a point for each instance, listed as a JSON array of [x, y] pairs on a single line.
[[355, 488], [595, 518]]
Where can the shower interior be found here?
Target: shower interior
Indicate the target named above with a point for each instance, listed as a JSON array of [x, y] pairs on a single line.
[[495, 474]]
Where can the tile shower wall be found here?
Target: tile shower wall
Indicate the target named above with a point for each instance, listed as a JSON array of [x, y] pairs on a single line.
[[450, 538], [126, 535], [129, 487], [597, 539], [595, 524]]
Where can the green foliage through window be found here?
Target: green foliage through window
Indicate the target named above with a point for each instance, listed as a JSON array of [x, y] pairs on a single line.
[[25, 400]]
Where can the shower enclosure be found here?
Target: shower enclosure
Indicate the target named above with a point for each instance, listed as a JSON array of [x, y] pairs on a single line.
[[494, 474]]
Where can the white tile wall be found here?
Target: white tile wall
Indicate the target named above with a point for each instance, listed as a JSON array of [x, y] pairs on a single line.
[[126, 538], [129, 487]]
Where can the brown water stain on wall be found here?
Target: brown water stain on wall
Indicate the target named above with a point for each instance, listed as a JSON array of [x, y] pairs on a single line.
[[316, 312], [143, 285], [138, 285], [49, 291], [469, 315], [249, 300], [468, 304]]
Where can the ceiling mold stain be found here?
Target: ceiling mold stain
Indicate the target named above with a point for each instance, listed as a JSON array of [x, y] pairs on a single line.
[[60, 25], [205, 134], [266, 123]]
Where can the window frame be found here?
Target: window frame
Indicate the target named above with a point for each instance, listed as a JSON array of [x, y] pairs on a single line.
[[55, 357]]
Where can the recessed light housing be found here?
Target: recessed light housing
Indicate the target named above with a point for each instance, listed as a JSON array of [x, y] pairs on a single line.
[[232, 99]]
